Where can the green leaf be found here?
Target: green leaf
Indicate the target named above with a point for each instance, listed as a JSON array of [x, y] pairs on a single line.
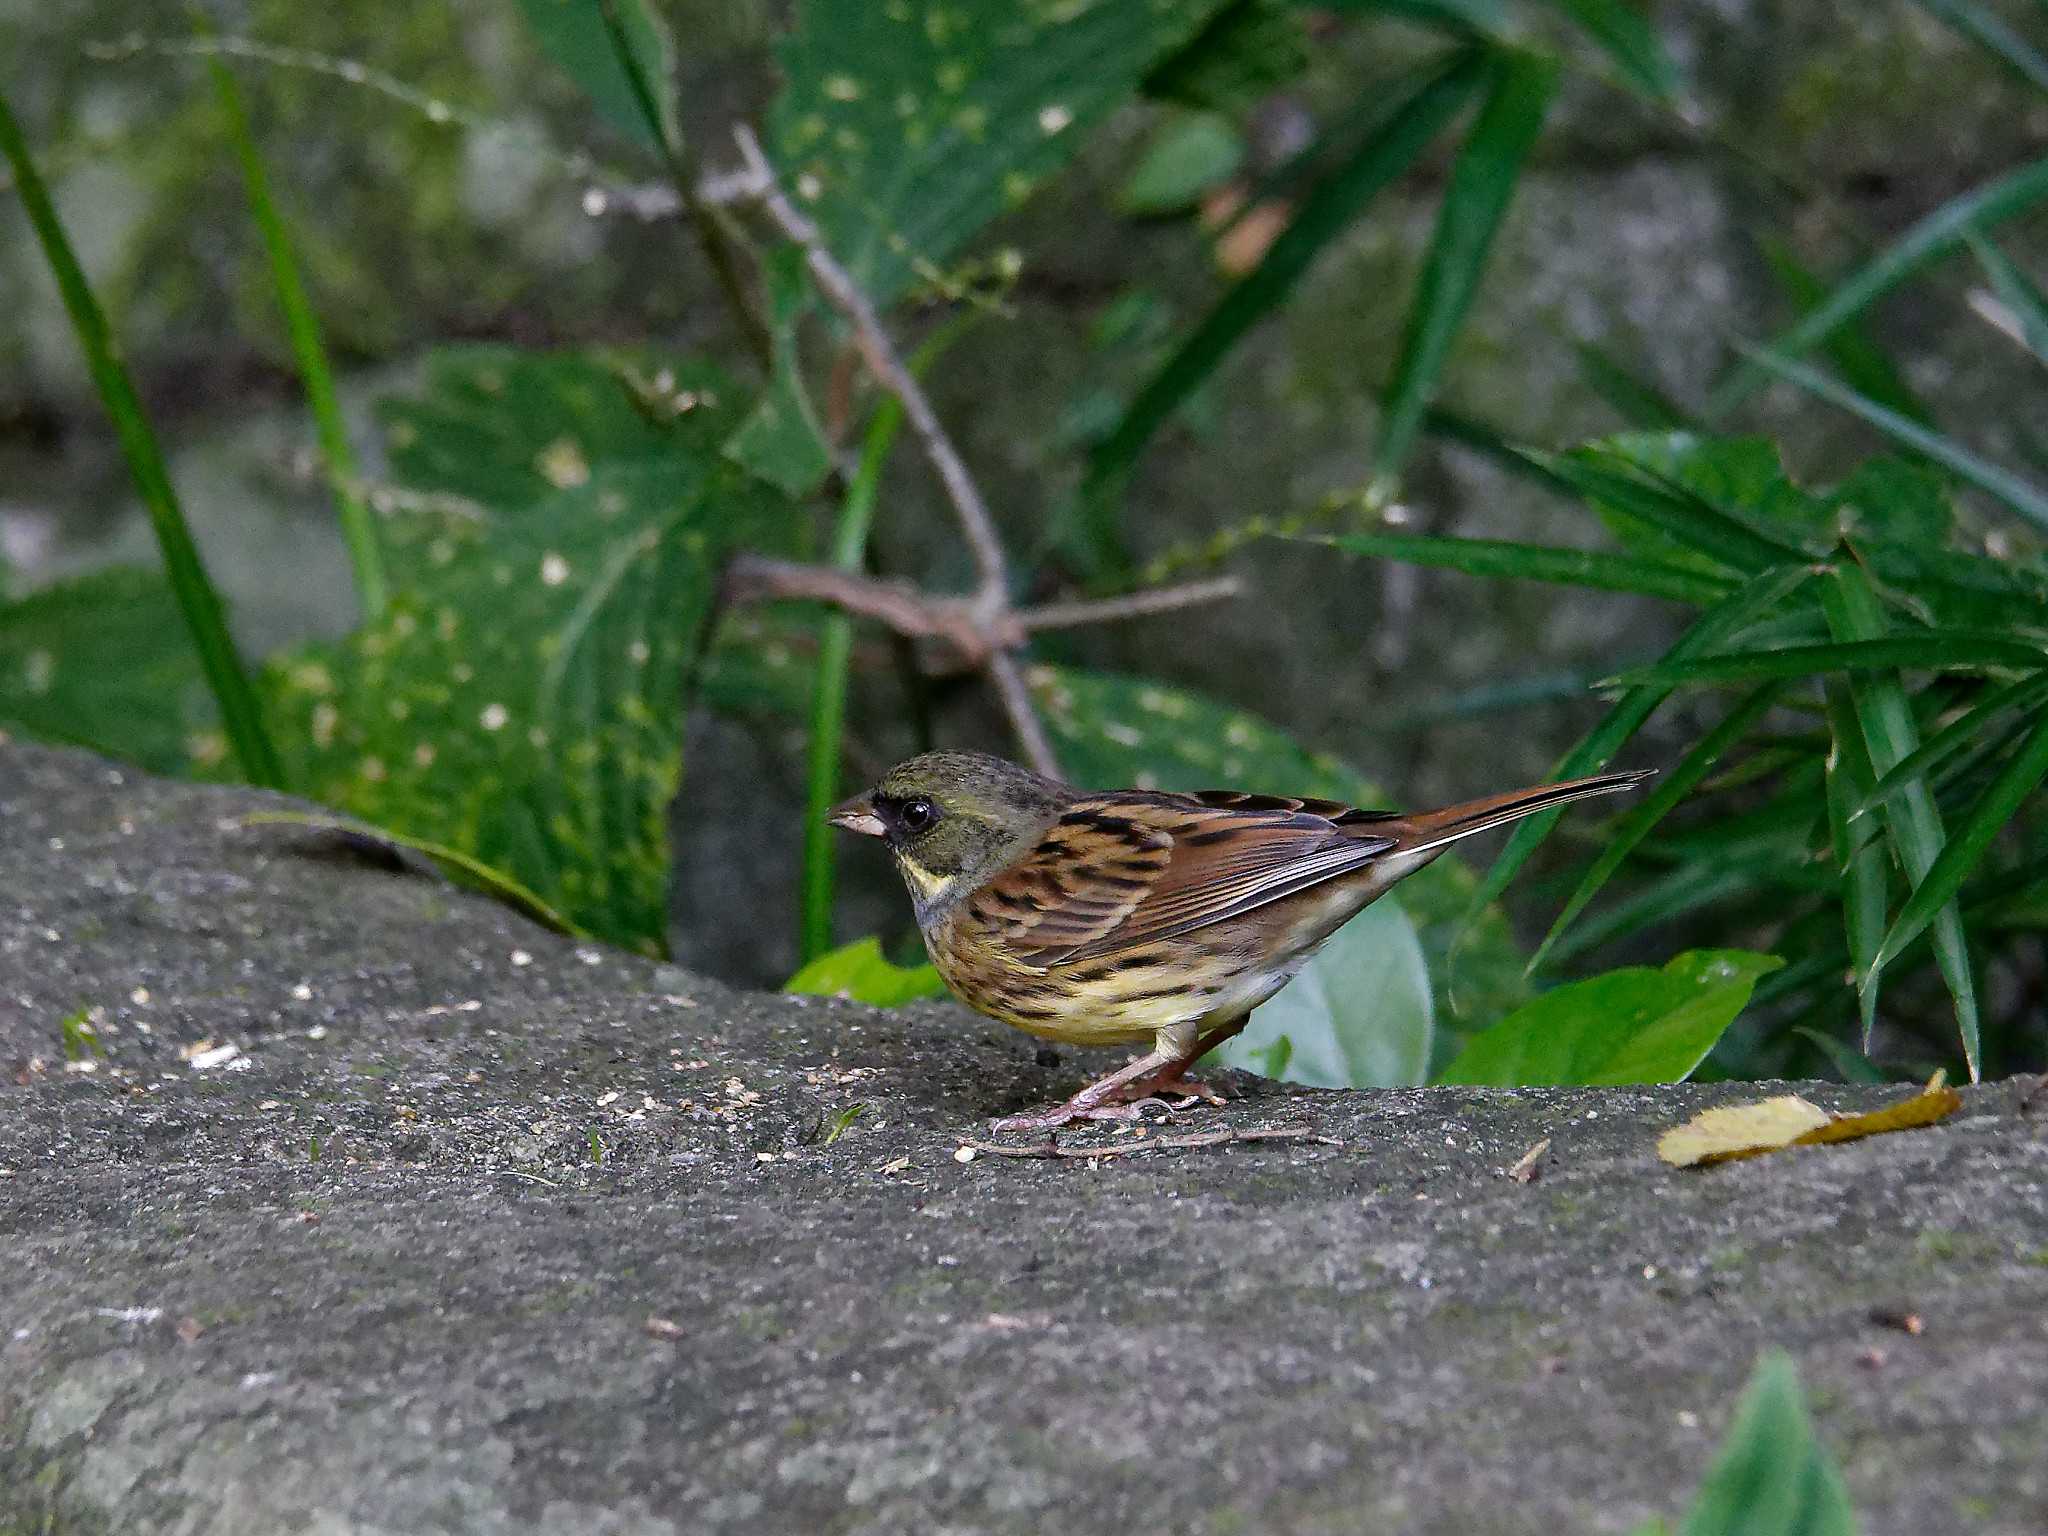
[[916, 125], [101, 661], [573, 33], [1638, 822], [1860, 861], [1634, 1025], [1935, 651], [1771, 1477], [1967, 845], [1995, 35], [1190, 153], [1637, 401], [198, 603], [862, 972], [1628, 487], [522, 700], [1861, 361], [1627, 36], [1483, 180], [2028, 500], [2016, 291], [1116, 732], [1396, 140], [1248, 50], [781, 441], [1358, 1015], [1953, 737], [1760, 595], [1981, 208], [1912, 820], [359, 530], [1538, 562]]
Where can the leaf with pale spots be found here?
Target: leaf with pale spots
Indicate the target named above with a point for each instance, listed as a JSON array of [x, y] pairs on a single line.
[[1117, 732], [103, 661], [907, 125]]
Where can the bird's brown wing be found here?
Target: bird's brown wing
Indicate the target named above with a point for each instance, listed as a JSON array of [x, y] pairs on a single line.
[[1120, 870]]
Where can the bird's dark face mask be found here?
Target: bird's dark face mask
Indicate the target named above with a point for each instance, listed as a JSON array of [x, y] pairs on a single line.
[[943, 849]]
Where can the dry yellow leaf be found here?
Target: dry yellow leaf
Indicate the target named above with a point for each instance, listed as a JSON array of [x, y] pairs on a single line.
[[1748, 1130]]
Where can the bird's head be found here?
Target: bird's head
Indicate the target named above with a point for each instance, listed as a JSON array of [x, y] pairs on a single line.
[[952, 819]]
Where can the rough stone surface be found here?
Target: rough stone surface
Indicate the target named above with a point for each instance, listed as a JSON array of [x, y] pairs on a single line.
[[527, 1150]]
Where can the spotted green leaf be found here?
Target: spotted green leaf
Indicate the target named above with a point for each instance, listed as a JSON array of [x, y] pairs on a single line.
[[905, 126]]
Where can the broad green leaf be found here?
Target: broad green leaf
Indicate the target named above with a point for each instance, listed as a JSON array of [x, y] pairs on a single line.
[[1912, 820], [1637, 823], [2028, 500], [1760, 595], [1995, 35], [1890, 498], [780, 440], [1861, 361], [862, 972], [199, 604], [1634, 1025], [574, 34], [1627, 36], [906, 128], [2016, 291], [1359, 1014], [1538, 562], [1860, 861], [1771, 1477], [1638, 402], [1395, 141], [1979, 209], [1248, 50], [1973, 837], [761, 664], [1117, 732], [1935, 651], [102, 661], [1190, 153], [1483, 179]]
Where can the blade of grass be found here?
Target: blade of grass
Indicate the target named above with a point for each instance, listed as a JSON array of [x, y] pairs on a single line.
[[1865, 880], [1627, 37], [1757, 596], [2024, 498], [1992, 33], [1861, 361], [1967, 845], [1328, 209], [1483, 181], [828, 702], [1689, 888], [1950, 651], [358, 527], [1952, 738], [1639, 403], [1934, 236], [2016, 291], [1538, 562], [241, 715], [1669, 507], [1671, 788], [1913, 821]]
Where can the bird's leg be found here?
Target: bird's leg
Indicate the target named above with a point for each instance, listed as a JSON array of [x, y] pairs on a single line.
[[1122, 1095]]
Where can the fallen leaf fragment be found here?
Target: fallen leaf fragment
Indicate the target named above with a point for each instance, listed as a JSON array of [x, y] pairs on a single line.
[[663, 1328], [1529, 1163], [1749, 1130]]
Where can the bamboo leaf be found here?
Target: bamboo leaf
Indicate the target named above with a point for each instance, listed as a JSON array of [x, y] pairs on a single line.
[[1980, 208], [2016, 291], [1483, 181], [1673, 509], [358, 527], [1952, 738], [1959, 856], [1861, 361], [1638, 822], [1865, 884], [2029, 500], [1634, 399], [198, 602], [1627, 37], [1944, 651], [1537, 562], [1913, 821], [1995, 35]]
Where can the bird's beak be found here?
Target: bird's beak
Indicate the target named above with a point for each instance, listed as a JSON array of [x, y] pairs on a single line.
[[858, 815]]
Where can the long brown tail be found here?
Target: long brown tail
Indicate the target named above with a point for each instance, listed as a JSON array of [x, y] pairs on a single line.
[[1434, 829]]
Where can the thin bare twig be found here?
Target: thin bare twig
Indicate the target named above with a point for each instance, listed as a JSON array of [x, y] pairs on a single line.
[[1222, 1136], [1029, 730], [1131, 605], [898, 604]]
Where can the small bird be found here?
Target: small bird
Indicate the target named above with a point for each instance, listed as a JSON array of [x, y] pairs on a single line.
[[1097, 918]]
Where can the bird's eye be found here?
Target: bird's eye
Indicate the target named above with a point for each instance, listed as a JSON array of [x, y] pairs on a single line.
[[917, 815]]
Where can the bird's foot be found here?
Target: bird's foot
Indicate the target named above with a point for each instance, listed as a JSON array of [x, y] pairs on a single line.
[[1165, 1094]]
